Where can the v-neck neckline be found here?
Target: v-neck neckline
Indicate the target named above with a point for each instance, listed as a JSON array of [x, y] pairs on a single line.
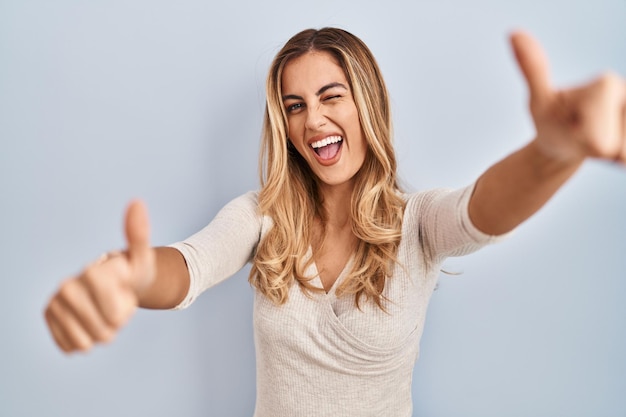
[[340, 277]]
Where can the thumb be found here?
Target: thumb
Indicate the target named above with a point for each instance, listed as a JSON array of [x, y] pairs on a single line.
[[533, 63], [137, 227]]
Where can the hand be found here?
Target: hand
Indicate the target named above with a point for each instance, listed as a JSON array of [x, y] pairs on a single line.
[[94, 305], [588, 121]]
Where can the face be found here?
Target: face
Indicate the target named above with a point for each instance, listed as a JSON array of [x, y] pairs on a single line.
[[322, 118]]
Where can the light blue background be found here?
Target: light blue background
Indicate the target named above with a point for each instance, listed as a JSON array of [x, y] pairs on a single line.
[[102, 101]]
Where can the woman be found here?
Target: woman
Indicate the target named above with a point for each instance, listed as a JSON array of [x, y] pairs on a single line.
[[343, 262]]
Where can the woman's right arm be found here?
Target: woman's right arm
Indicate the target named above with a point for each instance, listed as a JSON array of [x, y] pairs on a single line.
[[91, 307]]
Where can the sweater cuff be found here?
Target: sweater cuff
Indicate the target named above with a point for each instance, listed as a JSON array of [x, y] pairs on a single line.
[[476, 234]]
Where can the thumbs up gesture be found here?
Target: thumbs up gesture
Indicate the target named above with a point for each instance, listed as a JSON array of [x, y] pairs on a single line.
[[588, 121], [93, 306]]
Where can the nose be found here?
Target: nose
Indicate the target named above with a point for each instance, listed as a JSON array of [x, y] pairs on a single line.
[[314, 118]]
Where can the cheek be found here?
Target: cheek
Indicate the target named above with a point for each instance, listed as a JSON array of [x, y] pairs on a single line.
[[353, 123], [294, 127], [296, 146]]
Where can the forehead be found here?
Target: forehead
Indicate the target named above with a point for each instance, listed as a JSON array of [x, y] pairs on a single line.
[[311, 71]]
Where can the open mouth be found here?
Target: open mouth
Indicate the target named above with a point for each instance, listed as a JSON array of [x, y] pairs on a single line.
[[327, 148]]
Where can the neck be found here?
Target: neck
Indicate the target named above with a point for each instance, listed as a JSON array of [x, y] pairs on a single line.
[[336, 203]]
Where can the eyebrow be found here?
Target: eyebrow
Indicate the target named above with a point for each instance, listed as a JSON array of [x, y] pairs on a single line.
[[319, 92]]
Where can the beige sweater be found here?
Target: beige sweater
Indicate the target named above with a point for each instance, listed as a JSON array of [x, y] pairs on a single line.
[[318, 355]]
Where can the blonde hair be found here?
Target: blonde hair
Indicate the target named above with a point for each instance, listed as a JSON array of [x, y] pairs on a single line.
[[290, 195]]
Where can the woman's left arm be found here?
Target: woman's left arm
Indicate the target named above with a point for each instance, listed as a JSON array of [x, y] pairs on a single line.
[[571, 125]]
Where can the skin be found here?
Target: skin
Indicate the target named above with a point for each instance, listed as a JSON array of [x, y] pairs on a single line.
[[319, 104], [91, 307], [572, 125]]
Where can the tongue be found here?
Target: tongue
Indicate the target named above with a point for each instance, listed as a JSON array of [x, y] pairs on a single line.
[[329, 151]]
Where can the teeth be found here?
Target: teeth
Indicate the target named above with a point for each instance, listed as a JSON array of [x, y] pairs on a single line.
[[326, 141]]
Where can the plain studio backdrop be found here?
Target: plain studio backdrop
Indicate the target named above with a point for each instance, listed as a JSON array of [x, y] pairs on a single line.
[[104, 101]]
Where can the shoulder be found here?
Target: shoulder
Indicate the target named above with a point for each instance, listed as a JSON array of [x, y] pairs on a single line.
[[421, 200], [251, 198], [244, 209], [425, 194], [248, 202], [439, 206]]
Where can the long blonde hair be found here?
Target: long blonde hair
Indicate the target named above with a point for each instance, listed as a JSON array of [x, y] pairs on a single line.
[[290, 195]]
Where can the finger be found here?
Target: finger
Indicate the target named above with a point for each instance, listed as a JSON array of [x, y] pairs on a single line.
[[137, 231], [533, 63], [619, 111], [140, 253], [108, 287], [67, 330], [56, 331], [622, 157], [59, 336], [80, 302]]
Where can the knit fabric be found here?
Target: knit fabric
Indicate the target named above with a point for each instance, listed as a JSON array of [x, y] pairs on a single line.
[[318, 355]]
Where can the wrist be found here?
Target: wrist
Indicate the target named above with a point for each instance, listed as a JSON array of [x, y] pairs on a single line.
[[549, 155]]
